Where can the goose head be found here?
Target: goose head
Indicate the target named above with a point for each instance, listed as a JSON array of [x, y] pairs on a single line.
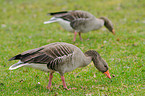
[[99, 63], [108, 24]]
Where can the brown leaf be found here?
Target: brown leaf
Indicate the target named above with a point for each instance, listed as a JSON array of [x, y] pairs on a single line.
[[118, 39], [140, 66]]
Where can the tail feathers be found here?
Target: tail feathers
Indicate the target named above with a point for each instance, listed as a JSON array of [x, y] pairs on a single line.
[[15, 57], [53, 19], [47, 22], [17, 65], [57, 13]]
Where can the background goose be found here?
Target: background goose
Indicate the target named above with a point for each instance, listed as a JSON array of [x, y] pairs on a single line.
[[60, 57], [80, 21]]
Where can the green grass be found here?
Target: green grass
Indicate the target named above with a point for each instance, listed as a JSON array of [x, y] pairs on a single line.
[[22, 28]]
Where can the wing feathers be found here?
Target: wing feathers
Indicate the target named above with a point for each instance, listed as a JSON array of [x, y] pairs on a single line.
[[52, 56], [71, 15], [15, 57], [57, 13]]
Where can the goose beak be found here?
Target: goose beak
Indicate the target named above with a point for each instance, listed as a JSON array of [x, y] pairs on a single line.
[[107, 74], [113, 31]]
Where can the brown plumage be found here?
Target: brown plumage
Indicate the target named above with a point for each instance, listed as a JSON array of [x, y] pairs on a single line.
[[80, 21], [60, 57]]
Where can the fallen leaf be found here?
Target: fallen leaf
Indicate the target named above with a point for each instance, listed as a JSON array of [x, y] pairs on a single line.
[[118, 39], [140, 66]]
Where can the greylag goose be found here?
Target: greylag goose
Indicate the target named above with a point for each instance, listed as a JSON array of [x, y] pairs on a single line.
[[80, 22], [60, 57]]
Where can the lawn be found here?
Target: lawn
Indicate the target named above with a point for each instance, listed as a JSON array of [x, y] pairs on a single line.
[[22, 28]]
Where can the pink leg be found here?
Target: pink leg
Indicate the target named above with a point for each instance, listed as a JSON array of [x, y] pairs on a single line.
[[80, 36], [75, 34], [50, 79], [63, 81]]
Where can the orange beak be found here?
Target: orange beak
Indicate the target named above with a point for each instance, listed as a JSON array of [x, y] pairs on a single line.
[[113, 31], [107, 74]]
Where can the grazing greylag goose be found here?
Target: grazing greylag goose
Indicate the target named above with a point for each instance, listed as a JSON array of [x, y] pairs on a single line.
[[80, 22], [60, 57]]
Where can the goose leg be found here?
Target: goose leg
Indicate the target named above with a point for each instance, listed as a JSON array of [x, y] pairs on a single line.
[[75, 34], [64, 84], [50, 79], [80, 36]]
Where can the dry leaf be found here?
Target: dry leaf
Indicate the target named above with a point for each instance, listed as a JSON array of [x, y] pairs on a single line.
[[118, 39]]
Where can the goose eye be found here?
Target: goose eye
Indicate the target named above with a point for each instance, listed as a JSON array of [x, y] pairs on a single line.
[[105, 66]]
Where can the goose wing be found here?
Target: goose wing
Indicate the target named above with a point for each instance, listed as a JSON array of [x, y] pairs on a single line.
[[76, 17], [51, 54]]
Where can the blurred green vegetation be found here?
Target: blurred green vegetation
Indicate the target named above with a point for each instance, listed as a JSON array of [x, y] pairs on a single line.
[[22, 28]]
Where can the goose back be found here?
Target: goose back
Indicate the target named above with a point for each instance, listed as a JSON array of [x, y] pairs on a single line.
[[80, 21], [59, 56]]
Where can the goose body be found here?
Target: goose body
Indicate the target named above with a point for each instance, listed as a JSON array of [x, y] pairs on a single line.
[[60, 57], [79, 21]]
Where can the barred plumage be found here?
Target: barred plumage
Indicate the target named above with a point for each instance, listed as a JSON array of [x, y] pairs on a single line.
[[51, 56]]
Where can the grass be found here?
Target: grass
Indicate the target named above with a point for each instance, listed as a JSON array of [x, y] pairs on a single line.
[[22, 28]]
